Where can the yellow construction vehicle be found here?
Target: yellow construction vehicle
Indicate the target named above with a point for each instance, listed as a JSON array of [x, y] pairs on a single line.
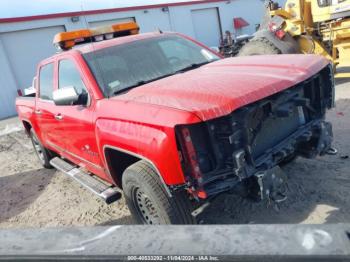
[[306, 26]]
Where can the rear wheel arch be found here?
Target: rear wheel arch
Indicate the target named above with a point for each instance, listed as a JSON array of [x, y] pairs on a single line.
[[118, 160], [27, 126]]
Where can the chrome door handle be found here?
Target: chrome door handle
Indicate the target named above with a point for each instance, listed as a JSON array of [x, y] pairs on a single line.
[[37, 112], [59, 117]]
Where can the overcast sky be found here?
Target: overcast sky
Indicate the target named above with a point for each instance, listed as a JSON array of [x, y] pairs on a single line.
[[19, 8]]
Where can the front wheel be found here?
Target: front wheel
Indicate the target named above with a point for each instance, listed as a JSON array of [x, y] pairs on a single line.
[[148, 201], [43, 154]]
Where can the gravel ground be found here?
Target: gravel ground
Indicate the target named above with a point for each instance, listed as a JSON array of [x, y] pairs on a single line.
[[34, 197]]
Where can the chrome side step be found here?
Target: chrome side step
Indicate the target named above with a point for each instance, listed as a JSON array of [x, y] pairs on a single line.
[[108, 193]]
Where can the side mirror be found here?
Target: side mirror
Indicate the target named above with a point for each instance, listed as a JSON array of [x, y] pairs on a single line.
[[65, 96]]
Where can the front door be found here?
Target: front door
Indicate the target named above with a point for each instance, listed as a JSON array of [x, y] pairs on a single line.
[[79, 132]]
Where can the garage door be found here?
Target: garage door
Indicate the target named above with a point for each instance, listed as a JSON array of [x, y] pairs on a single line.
[[207, 26], [24, 50], [112, 21]]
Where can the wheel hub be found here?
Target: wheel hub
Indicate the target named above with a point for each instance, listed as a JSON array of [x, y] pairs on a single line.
[[146, 208]]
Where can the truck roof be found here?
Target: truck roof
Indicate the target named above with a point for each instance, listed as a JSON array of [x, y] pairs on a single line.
[[90, 47]]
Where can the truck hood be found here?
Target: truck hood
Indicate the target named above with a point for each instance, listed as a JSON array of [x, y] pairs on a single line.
[[219, 88]]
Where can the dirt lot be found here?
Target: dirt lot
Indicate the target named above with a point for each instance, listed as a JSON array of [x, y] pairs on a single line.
[[34, 197]]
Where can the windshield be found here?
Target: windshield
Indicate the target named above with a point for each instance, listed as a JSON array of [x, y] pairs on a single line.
[[122, 67]]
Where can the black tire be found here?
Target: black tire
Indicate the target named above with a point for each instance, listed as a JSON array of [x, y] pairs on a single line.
[[259, 46], [43, 154], [148, 200]]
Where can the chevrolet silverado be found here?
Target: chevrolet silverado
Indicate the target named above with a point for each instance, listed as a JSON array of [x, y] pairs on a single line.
[[171, 124]]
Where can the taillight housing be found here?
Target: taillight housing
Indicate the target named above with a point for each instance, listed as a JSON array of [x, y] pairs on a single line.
[[280, 34], [273, 27], [277, 30]]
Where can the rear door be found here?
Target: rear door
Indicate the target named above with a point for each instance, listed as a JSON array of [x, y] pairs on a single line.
[[79, 131], [50, 130]]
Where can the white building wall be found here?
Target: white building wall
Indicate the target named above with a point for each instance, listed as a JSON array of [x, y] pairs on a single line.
[[8, 86], [174, 18]]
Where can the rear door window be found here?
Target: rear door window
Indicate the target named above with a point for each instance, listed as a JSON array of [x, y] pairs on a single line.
[[46, 82]]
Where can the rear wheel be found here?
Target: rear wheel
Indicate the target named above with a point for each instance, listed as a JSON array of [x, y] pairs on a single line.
[[148, 200], [259, 46], [43, 154]]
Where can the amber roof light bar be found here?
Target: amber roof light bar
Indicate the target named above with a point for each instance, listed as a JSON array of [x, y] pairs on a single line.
[[67, 40]]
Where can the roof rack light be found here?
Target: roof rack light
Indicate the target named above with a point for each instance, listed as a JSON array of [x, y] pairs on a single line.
[[67, 40]]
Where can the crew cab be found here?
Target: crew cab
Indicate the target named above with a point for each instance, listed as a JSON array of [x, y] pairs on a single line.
[[168, 122]]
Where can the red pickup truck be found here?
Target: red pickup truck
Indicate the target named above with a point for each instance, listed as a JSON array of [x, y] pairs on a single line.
[[170, 123]]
